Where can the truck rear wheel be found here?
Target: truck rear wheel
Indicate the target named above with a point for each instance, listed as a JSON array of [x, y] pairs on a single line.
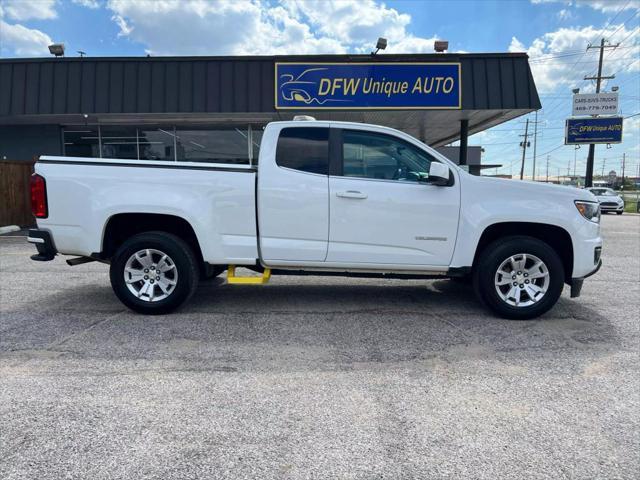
[[154, 272], [519, 277]]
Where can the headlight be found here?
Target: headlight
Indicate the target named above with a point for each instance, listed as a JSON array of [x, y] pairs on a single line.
[[589, 210]]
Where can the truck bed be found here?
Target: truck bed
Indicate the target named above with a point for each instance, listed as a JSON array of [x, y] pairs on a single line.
[[218, 200]]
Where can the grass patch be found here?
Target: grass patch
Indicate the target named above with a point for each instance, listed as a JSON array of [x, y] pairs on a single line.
[[630, 206]]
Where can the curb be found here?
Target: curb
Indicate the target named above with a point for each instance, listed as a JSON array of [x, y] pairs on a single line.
[[9, 229]]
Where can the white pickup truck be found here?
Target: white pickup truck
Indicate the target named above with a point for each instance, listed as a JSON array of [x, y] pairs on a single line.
[[326, 198]]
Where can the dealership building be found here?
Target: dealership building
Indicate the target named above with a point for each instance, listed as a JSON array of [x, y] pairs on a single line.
[[214, 108]]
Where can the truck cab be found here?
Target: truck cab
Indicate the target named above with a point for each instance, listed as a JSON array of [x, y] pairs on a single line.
[[339, 196], [325, 198]]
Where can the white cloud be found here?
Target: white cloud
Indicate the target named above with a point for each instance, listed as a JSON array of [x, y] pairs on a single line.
[[557, 61], [606, 6], [125, 29], [29, 9], [18, 39], [516, 46], [609, 6], [564, 14], [87, 3], [631, 126], [200, 27], [410, 44], [23, 41], [355, 21]]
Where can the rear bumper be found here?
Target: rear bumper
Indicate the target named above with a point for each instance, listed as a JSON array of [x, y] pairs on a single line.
[[44, 244]]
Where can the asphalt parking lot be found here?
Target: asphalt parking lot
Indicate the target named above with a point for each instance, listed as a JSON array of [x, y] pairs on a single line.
[[317, 378]]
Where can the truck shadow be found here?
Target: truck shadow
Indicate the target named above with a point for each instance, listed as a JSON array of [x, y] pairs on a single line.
[[301, 326]]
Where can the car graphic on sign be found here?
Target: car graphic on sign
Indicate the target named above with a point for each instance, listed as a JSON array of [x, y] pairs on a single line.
[[301, 89]]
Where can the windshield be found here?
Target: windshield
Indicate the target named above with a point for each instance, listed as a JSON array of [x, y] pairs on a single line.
[[603, 192]]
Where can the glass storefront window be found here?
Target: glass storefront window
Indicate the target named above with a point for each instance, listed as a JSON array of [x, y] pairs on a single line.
[[81, 141], [213, 144], [156, 143], [119, 142]]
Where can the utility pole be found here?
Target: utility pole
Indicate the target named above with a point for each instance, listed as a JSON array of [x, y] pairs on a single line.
[[588, 181], [623, 159], [524, 145], [604, 161], [547, 168]]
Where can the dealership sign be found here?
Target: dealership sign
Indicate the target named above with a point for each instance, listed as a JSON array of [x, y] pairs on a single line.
[[361, 86], [595, 104], [593, 130]]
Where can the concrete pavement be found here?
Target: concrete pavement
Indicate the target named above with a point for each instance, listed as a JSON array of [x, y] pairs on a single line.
[[315, 377]]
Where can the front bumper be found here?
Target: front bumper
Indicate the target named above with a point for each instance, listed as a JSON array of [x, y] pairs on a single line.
[[44, 244], [612, 208], [576, 283]]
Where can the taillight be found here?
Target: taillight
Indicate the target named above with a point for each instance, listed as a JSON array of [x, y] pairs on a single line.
[[38, 196]]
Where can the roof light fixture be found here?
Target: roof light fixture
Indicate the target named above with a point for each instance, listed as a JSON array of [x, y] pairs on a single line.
[[57, 49], [441, 46], [380, 45]]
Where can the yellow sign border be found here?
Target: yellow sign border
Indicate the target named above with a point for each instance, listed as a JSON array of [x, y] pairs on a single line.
[[275, 85]]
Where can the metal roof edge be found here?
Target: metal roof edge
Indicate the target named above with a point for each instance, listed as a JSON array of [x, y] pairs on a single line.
[[263, 58]]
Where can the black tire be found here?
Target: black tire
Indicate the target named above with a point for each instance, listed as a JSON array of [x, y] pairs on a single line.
[[619, 213], [209, 272], [490, 260], [183, 258]]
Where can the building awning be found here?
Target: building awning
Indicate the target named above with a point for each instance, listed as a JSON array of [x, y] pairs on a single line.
[[495, 88]]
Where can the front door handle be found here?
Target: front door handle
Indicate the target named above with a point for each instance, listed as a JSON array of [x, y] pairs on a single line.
[[352, 194]]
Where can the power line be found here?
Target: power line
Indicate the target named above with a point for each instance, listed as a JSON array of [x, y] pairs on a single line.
[[622, 24], [612, 20], [623, 7]]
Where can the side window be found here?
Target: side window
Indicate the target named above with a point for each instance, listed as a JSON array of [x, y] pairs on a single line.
[[383, 157], [304, 148]]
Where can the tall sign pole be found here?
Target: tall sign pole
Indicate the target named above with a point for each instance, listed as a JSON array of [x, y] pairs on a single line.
[[535, 140], [524, 147], [588, 181]]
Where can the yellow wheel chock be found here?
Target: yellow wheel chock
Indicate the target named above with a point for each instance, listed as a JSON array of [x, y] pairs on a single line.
[[232, 279]]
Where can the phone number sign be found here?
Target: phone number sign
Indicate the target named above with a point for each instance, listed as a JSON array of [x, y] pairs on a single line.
[[595, 104]]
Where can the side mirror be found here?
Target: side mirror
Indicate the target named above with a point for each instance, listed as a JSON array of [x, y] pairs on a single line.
[[438, 174]]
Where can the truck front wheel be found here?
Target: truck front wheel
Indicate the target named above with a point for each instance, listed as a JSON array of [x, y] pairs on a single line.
[[519, 277], [154, 272]]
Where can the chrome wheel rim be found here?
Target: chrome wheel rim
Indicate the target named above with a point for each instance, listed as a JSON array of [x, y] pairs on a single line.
[[522, 280], [151, 275]]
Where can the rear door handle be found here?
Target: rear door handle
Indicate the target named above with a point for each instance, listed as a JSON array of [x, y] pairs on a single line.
[[352, 194]]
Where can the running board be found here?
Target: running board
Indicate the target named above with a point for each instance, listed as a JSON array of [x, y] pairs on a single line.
[[72, 262], [232, 279]]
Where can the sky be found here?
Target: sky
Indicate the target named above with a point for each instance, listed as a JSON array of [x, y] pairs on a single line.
[[555, 34]]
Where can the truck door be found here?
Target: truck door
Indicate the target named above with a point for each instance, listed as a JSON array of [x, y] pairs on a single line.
[[381, 212], [293, 195]]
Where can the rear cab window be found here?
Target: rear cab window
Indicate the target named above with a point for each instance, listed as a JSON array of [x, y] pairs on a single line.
[[305, 149]]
